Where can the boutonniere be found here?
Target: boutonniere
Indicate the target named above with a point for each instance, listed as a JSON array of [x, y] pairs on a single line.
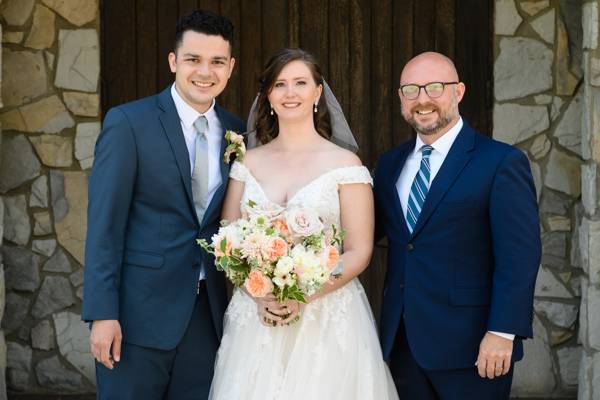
[[235, 145]]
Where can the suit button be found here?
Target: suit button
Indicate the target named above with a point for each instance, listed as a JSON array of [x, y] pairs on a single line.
[[410, 247]]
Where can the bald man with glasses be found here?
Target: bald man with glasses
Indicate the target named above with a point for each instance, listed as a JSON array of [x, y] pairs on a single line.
[[460, 215]]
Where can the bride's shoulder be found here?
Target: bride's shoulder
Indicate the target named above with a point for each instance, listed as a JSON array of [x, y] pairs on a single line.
[[345, 158]]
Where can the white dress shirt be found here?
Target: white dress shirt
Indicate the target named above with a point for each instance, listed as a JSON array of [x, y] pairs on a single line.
[[441, 148], [187, 117]]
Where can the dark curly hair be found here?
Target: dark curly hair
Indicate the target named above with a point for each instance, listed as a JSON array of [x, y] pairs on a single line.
[[206, 22], [267, 126]]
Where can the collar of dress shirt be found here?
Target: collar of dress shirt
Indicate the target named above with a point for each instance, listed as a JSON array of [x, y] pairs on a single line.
[[187, 114], [444, 143]]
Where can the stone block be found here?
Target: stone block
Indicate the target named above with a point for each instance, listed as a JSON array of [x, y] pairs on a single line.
[[534, 375], [17, 307], [590, 249], [42, 336], [523, 67], [540, 147], [54, 150], [48, 115], [506, 17], [563, 173], [76, 278], [544, 26], [589, 190], [12, 37], [18, 364], [565, 80], [558, 223], [536, 172], [71, 229], [584, 389], [78, 60], [17, 226], [568, 362], [44, 247], [73, 338], [568, 130], [77, 12], [21, 268], [18, 163], [42, 224], [16, 12], [85, 141], [55, 295], [28, 79], [560, 314], [42, 33], [555, 203], [59, 262], [531, 8], [39, 192], [593, 317], [514, 123], [83, 104], [53, 375], [547, 285], [590, 25], [555, 108], [594, 71]]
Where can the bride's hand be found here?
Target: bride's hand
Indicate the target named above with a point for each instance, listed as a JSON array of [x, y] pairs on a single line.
[[292, 309], [269, 310]]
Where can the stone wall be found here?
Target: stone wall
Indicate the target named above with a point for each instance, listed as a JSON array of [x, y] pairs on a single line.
[[539, 100], [50, 122], [589, 232], [2, 283]]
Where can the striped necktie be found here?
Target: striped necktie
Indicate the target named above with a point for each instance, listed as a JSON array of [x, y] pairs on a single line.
[[419, 189]]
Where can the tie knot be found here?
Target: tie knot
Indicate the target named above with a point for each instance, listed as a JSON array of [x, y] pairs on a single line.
[[201, 125], [426, 150]]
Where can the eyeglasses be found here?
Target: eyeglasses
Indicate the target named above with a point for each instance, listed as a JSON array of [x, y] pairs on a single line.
[[433, 89]]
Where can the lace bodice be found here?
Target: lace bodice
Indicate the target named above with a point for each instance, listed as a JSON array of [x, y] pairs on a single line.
[[320, 194]]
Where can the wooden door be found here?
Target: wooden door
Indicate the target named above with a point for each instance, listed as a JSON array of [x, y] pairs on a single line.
[[361, 45]]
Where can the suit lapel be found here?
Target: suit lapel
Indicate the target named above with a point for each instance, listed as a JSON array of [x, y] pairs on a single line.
[[172, 127], [458, 156], [397, 167]]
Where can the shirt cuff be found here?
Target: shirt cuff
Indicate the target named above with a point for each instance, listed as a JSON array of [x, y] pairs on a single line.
[[504, 335]]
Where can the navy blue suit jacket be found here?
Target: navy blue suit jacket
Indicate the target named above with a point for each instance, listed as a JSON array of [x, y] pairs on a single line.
[[142, 262], [471, 262]]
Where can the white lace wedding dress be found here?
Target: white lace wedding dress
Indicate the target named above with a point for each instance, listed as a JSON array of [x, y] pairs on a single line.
[[331, 353]]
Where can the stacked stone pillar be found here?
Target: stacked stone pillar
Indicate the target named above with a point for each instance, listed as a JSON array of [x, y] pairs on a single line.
[[589, 334], [2, 284]]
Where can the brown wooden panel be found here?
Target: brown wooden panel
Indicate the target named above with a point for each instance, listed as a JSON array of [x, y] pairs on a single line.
[[294, 21], [339, 52], [313, 30], [250, 52], [359, 77], [424, 26], [146, 48], [474, 62], [210, 5], [231, 97], [403, 51], [186, 6], [167, 17], [118, 53], [444, 27], [274, 28]]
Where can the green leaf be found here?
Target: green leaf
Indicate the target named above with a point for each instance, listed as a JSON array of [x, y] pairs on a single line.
[[223, 245], [251, 203]]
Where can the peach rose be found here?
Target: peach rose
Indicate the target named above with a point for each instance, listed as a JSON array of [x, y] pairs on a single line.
[[331, 256], [281, 226], [220, 253], [277, 248], [257, 284]]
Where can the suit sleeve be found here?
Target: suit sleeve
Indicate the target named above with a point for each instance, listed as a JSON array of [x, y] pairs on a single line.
[[110, 192], [516, 244]]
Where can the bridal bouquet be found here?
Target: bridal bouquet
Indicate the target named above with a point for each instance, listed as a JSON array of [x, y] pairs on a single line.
[[285, 252]]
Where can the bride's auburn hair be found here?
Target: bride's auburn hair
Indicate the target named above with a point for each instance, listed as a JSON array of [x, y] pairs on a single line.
[[267, 125]]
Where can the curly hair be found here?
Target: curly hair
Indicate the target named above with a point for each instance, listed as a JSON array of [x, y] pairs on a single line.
[[267, 126], [206, 22]]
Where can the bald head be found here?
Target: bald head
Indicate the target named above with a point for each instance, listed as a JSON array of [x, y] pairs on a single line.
[[429, 67]]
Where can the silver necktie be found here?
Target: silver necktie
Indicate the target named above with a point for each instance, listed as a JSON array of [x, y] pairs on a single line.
[[200, 173]]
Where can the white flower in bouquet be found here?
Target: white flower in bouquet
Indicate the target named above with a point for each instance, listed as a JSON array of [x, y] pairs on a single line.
[[303, 222], [256, 245]]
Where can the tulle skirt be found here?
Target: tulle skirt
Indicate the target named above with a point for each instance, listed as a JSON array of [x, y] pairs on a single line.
[[331, 353]]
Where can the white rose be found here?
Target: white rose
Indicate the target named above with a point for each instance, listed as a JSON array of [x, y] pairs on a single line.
[[303, 222]]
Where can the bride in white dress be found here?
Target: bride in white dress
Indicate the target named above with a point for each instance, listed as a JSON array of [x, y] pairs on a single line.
[[332, 351]]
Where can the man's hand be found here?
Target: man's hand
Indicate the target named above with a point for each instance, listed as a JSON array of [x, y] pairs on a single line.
[[494, 356], [106, 338]]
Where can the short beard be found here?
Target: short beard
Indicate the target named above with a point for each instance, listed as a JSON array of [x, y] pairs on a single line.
[[444, 119]]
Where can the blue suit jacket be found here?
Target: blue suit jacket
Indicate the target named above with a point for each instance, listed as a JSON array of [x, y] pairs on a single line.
[[471, 263], [142, 262]]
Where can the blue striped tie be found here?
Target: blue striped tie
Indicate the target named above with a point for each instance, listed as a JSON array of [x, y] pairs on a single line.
[[419, 189]]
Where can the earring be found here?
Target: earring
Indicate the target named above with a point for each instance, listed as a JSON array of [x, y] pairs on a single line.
[[316, 104], [271, 105]]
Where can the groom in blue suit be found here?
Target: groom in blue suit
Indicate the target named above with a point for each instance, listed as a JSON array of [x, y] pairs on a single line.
[[154, 299], [460, 215]]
